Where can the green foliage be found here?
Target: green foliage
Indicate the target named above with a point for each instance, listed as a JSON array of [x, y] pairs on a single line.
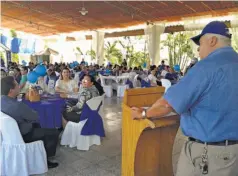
[[15, 57], [234, 41], [113, 54], [2, 55], [91, 53], [79, 50], [180, 49], [13, 33], [134, 58], [137, 58]]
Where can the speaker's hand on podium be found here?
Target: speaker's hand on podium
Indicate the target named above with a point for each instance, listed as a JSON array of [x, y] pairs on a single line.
[[136, 113]]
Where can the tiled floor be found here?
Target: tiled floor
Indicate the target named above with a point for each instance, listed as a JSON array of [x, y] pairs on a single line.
[[103, 160]]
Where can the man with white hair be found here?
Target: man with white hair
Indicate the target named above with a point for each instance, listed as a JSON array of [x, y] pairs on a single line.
[[207, 100]]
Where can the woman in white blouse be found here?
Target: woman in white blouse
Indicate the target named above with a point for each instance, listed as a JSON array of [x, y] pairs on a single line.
[[65, 84], [152, 78]]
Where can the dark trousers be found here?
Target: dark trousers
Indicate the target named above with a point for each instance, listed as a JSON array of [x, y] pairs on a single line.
[[48, 136], [159, 83]]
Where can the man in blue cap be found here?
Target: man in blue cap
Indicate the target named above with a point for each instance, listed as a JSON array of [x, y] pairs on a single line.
[[207, 101]]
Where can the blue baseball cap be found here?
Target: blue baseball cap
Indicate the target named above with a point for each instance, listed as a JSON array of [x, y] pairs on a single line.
[[214, 27]]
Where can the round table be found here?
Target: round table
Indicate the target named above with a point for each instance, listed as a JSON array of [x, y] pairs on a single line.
[[49, 110]]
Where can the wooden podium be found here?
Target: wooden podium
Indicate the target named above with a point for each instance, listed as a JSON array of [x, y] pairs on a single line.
[[146, 144]]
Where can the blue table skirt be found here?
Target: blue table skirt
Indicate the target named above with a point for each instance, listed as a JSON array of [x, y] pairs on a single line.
[[49, 110]]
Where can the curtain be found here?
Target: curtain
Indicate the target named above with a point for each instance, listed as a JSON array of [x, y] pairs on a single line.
[[98, 46], [152, 36], [15, 45], [3, 40], [39, 45], [27, 46]]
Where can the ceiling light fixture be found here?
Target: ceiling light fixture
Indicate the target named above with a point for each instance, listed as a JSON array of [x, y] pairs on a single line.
[[83, 11]]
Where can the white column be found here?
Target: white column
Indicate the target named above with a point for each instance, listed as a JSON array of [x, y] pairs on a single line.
[[234, 32], [98, 46], [152, 33], [61, 47]]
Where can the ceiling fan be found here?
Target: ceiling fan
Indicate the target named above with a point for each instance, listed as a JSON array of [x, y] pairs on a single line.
[[83, 11]]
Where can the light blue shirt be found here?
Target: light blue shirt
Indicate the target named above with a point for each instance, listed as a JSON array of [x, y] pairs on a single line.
[[207, 98]]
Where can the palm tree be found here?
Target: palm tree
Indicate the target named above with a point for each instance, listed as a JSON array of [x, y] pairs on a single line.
[[113, 54], [91, 53], [134, 58], [180, 49], [79, 50]]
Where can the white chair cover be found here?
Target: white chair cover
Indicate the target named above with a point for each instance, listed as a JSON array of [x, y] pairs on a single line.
[[51, 86], [76, 77], [123, 86], [72, 132], [136, 83], [16, 157], [166, 83], [132, 76], [107, 88], [125, 74]]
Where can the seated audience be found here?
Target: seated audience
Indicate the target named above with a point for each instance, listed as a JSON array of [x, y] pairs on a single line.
[[165, 71], [83, 72], [17, 75], [26, 118], [152, 78], [193, 62], [23, 86], [51, 76], [65, 84], [161, 66], [88, 91], [116, 70], [96, 84], [3, 73], [92, 71]]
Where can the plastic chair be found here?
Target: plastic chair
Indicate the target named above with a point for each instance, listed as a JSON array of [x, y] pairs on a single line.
[[107, 88], [136, 83], [89, 130], [18, 158], [165, 83], [123, 86]]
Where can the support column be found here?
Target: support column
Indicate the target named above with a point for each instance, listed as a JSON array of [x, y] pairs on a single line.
[[152, 33], [98, 46], [234, 32]]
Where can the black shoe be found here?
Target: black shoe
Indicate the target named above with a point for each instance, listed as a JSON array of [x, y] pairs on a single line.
[[60, 129], [52, 165]]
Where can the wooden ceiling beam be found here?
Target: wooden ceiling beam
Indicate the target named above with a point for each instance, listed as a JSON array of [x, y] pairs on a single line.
[[155, 9], [206, 6], [187, 6], [32, 23], [124, 11], [65, 20], [111, 14]]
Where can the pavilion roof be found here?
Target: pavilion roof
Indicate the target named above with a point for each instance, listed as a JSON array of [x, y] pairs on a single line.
[[53, 17]]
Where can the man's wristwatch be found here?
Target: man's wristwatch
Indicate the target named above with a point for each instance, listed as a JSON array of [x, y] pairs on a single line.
[[144, 114]]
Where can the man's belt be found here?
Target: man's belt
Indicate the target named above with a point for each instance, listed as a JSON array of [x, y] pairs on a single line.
[[221, 143]]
